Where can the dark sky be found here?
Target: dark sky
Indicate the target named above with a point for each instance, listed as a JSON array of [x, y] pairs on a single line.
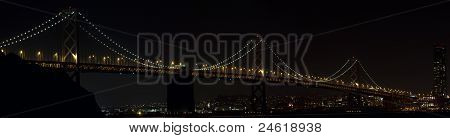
[[397, 51]]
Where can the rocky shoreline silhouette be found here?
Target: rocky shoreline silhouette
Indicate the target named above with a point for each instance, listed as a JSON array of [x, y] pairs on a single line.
[[30, 91]]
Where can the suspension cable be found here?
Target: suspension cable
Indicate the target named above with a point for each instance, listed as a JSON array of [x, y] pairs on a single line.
[[34, 31], [113, 50]]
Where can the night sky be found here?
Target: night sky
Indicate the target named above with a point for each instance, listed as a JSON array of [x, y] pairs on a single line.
[[397, 51]]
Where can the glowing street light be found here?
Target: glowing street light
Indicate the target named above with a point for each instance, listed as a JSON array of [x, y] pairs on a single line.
[[92, 58], [39, 55], [106, 60], [118, 61], [22, 54]]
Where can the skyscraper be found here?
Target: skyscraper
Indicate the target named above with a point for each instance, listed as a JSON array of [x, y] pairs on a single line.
[[439, 74]]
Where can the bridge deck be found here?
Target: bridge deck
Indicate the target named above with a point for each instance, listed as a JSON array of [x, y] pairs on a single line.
[[277, 79]]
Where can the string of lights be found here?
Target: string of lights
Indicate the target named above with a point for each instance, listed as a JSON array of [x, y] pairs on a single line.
[[218, 65], [340, 69], [327, 80], [34, 31], [94, 26], [90, 34], [245, 54], [284, 63], [367, 74], [31, 30], [113, 50], [286, 72]]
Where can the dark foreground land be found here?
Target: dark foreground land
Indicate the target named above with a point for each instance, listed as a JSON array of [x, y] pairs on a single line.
[[30, 91]]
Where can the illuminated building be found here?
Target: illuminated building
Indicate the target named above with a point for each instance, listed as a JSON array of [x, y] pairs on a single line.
[[439, 75]]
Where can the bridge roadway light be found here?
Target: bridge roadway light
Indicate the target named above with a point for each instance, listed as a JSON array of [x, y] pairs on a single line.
[[39, 55], [118, 61], [21, 54]]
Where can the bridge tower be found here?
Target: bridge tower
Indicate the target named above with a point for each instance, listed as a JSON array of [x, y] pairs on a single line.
[[70, 43], [354, 100], [258, 87]]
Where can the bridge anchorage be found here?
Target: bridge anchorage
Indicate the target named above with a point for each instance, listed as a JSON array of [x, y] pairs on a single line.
[[71, 57]]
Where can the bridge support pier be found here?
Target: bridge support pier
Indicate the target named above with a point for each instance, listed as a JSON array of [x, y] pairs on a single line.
[[390, 104], [258, 99], [70, 44], [180, 95], [354, 101]]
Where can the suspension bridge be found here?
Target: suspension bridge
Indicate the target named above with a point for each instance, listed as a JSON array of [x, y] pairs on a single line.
[[351, 77]]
